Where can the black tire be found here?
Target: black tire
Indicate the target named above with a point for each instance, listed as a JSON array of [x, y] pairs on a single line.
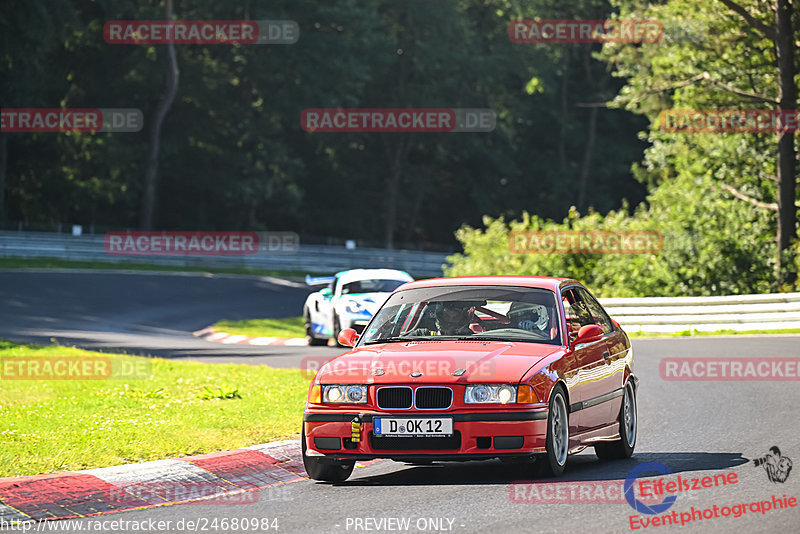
[[336, 329], [553, 462], [325, 469], [623, 447], [312, 341]]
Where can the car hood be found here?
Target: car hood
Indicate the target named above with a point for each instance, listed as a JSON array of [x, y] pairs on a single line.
[[437, 361]]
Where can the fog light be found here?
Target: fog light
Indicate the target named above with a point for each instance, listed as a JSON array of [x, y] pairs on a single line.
[[355, 393], [481, 394]]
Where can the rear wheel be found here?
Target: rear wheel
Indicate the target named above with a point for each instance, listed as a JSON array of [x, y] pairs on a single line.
[[553, 462], [313, 341], [325, 469], [623, 447]]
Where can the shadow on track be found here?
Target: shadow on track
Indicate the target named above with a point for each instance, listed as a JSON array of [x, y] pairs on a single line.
[[579, 468]]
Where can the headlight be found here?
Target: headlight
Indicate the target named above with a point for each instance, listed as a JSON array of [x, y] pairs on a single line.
[[490, 394], [349, 394], [353, 306]]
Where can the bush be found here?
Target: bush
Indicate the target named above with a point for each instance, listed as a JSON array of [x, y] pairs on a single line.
[[713, 245]]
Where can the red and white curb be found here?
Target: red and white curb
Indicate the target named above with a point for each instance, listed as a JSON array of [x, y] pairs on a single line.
[[219, 478], [209, 334]]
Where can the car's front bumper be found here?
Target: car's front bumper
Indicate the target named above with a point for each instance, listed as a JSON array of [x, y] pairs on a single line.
[[476, 435]]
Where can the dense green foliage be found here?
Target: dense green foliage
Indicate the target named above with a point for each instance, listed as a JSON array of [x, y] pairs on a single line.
[[233, 155], [715, 243]]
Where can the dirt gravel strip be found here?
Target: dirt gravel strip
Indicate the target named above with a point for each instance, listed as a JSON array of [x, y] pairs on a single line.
[[226, 477]]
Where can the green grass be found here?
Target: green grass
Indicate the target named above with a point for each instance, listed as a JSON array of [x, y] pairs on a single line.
[[55, 263], [698, 333], [184, 408], [289, 327]]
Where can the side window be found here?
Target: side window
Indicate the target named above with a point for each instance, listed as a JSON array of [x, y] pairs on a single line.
[[599, 316], [577, 313]]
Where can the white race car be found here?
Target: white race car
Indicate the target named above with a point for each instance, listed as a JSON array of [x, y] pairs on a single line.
[[349, 300]]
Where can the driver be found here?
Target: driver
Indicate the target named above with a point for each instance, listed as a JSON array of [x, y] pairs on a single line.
[[450, 319], [531, 317]]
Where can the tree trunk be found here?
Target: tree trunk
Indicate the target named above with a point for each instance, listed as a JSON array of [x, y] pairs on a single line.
[[787, 212], [583, 180], [562, 133], [396, 160], [149, 198], [390, 208]]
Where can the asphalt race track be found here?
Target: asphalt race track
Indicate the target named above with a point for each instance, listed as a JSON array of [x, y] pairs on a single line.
[[145, 313], [693, 428]]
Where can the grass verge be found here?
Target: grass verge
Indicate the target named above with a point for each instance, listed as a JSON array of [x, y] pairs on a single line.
[[699, 333], [183, 408], [288, 327], [55, 263], [293, 327]]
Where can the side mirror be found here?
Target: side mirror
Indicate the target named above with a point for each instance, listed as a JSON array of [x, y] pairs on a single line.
[[589, 333], [325, 292], [348, 337]]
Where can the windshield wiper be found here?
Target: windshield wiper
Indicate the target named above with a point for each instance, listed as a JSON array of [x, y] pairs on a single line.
[[396, 339], [481, 338]]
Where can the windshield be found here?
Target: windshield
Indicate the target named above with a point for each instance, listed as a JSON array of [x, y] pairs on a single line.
[[372, 286], [469, 313]]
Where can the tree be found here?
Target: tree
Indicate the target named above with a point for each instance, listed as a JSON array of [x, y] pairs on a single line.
[[735, 68], [151, 167]]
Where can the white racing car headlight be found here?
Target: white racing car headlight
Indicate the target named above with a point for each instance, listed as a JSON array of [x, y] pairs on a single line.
[[344, 394], [353, 306], [490, 394]]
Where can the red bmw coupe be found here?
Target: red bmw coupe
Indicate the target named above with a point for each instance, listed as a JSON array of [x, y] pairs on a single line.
[[525, 369]]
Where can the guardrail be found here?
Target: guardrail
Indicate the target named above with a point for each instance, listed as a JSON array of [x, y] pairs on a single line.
[[676, 314], [651, 314], [308, 258]]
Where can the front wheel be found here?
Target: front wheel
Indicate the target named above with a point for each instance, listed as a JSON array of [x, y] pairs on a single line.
[[553, 462], [623, 447], [336, 330], [325, 469], [312, 341]]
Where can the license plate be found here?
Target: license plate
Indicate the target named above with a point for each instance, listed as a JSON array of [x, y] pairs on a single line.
[[413, 427]]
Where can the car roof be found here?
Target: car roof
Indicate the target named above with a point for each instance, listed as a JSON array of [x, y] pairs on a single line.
[[353, 275], [542, 282]]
